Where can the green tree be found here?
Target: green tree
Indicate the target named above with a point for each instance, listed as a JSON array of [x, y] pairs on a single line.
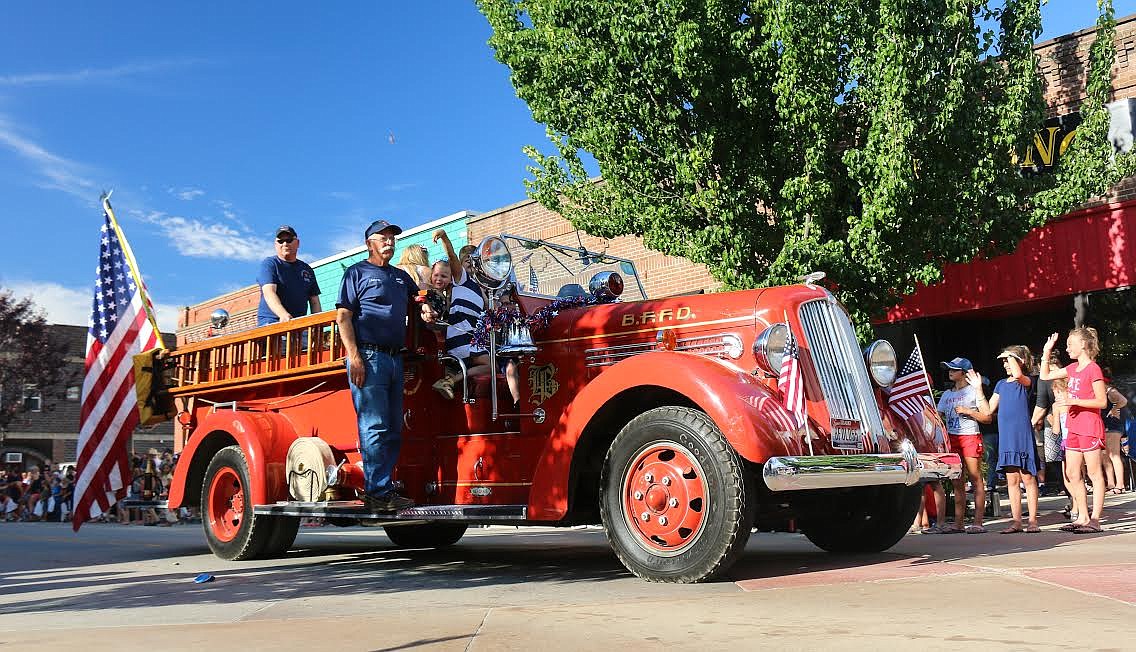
[[871, 139], [29, 356]]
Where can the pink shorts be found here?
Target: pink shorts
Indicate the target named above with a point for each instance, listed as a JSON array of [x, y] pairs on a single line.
[[967, 445], [1083, 443]]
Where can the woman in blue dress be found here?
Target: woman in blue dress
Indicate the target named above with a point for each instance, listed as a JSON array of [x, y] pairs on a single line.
[[1017, 455]]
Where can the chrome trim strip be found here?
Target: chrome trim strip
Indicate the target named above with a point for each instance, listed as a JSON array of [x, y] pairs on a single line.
[[906, 467], [716, 345]]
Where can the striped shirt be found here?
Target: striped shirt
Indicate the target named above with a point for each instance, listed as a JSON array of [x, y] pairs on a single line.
[[466, 306]]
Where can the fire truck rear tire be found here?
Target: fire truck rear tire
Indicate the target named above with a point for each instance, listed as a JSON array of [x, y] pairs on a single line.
[[862, 520], [282, 534], [675, 498], [426, 535], [233, 532]]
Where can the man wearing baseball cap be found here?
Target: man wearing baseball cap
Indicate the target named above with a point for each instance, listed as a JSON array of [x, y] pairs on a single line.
[[288, 286], [374, 300], [959, 407]]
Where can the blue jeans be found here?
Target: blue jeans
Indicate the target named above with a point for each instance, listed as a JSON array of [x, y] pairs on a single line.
[[378, 407], [990, 444]]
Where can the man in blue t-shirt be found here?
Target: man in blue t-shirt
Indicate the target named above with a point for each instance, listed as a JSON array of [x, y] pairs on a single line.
[[371, 312], [287, 284]]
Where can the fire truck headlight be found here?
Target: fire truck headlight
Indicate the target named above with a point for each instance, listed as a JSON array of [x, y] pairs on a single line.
[[880, 357], [769, 348]]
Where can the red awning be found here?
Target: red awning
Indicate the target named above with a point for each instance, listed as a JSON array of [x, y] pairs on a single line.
[[1085, 251]]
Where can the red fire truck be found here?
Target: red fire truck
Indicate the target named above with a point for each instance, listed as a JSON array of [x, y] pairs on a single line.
[[659, 418]]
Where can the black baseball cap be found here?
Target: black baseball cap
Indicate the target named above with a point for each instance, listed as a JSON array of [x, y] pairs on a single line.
[[379, 226], [285, 229]]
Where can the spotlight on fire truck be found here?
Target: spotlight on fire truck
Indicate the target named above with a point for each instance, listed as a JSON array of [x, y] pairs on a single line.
[[880, 356], [769, 347], [492, 262], [219, 318], [606, 286]]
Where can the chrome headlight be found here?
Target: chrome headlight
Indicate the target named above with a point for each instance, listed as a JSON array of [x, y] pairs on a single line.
[[769, 347], [880, 357]]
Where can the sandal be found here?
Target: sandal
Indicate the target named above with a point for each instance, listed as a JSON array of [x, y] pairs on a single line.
[[1115, 491], [951, 530], [974, 529], [1013, 529], [1087, 529], [1068, 527], [1033, 529], [931, 530]]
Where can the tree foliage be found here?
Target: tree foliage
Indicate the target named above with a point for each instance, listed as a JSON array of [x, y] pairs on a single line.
[[29, 355], [871, 139]]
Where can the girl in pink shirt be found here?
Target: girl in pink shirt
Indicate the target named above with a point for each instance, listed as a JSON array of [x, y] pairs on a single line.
[[1084, 441]]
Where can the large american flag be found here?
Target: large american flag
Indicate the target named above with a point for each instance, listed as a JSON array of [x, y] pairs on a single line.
[[121, 326], [791, 385], [910, 391]]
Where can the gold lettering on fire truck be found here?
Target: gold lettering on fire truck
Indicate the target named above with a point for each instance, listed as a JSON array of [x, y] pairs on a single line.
[[542, 383], [658, 317]]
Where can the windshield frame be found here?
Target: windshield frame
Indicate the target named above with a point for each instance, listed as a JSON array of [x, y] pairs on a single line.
[[604, 259]]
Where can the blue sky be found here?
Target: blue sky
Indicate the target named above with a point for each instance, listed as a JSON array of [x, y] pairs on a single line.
[[216, 122]]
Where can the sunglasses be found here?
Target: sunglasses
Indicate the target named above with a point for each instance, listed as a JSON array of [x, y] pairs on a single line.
[[284, 240]]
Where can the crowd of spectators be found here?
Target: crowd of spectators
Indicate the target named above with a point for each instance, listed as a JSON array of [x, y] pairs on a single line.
[[45, 493]]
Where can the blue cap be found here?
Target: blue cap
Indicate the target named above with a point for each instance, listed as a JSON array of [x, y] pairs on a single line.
[[962, 364], [379, 226]]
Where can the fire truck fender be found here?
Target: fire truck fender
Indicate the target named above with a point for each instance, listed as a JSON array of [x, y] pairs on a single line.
[[732, 398], [264, 437]]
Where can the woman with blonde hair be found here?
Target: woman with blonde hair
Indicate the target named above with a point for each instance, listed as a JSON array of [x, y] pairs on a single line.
[[1084, 438], [416, 262]]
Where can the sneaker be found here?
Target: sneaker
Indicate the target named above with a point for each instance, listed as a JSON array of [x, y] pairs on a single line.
[[389, 502], [445, 387]]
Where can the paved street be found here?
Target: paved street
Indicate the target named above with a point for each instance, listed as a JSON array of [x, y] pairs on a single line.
[[131, 587]]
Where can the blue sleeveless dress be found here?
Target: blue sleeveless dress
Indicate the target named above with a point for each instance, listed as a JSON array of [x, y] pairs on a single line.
[[1015, 433]]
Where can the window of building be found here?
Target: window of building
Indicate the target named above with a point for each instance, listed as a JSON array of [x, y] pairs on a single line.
[[73, 393], [33, 400]]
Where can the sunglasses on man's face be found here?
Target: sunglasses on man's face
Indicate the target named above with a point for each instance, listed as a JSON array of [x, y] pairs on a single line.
[[284, 240]]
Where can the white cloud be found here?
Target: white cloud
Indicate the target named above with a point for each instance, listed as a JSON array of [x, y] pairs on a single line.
[[199, 239], [56, 172], [399, 187], [187, 194], [64, 305], [89, 75]]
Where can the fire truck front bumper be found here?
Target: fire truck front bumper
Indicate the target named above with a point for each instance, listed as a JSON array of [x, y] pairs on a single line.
[[907, 467]]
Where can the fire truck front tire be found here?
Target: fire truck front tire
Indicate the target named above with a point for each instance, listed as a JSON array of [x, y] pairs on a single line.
[[231, 529], [862, 520], [425, 535], [675, 498]]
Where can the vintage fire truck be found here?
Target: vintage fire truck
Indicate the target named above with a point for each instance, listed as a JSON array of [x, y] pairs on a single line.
[[660, 419]]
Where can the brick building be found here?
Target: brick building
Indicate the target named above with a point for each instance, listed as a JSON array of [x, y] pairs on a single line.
[[48, 426]]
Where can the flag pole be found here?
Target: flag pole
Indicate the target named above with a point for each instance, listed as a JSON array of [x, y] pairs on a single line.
[[133, 265], [922, 363]]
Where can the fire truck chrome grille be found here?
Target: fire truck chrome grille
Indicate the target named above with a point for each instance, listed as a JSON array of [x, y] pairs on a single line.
[[840, 366], [712, 345]]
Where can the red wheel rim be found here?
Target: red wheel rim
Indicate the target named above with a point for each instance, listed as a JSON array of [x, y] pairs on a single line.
[[226, 505], [665, 500]]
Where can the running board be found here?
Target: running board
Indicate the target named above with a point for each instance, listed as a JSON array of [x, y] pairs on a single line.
[[355, 509]]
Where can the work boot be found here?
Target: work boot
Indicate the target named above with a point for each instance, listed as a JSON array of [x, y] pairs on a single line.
[[388, 502], [445, 387]]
